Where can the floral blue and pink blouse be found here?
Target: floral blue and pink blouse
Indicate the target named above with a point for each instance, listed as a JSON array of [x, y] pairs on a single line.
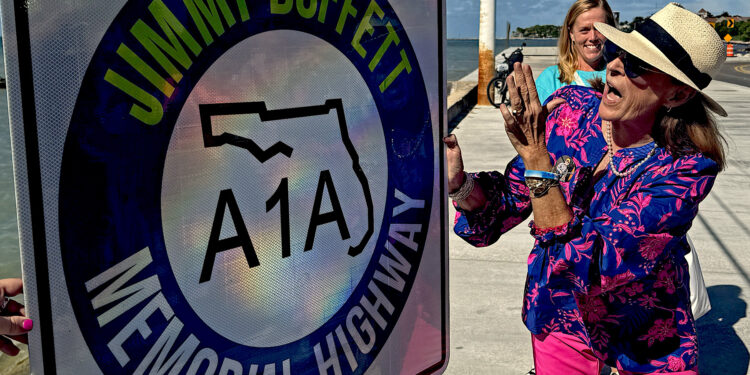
[[615, 275]]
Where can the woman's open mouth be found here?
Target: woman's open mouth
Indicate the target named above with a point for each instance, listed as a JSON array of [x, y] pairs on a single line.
[[611, 94]]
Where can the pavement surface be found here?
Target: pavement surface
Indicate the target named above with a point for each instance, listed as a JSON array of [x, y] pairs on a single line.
[[736, 70], [487, 335]]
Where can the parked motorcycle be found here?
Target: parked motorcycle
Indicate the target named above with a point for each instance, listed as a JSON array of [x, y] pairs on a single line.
[[502, 71]]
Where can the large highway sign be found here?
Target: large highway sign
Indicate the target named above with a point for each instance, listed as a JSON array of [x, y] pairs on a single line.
[[230, 186]]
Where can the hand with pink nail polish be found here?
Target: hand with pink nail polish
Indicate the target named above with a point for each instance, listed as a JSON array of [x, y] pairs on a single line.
[[13, 322]]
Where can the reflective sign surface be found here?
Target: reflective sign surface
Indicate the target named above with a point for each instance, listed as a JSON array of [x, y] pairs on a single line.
[[251, 187]]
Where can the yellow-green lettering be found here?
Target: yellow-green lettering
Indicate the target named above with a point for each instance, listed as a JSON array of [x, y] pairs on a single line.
[[391, 38], [364, 25], [153, 112], [404, 64], [209, 11], [323, 10], [147, 71], [155, 44], [244, 14], [346, 10], [281, 6], [309, 11]]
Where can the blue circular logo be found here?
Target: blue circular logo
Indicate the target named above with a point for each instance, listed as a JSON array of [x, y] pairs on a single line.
[[266, 216]]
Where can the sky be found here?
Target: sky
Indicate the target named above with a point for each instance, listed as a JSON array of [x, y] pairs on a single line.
[[462, 16]]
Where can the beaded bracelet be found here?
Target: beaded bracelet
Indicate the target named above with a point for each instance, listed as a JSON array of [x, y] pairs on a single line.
[[465, 190]]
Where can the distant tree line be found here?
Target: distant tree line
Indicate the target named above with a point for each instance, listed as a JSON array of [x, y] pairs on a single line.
[[538, 31], [725, 14], [740, 31]]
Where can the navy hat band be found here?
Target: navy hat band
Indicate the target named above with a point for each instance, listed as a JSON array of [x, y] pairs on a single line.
[[673, 50]]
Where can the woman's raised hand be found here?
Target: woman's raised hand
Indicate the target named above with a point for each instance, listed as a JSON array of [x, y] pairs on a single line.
[[455, 164], [526, 118]]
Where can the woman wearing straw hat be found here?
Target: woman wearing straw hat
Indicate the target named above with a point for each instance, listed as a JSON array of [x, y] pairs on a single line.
[[580, 48], [613, 181]]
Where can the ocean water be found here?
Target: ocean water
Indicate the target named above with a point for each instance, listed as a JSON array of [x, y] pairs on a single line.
[[462, 55], [10, 261], [461, 59]]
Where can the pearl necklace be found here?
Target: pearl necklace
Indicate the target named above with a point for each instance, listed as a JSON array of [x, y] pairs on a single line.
[[630, 170]]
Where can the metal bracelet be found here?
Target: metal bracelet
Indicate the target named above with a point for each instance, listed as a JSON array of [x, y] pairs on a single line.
[[539, 182], [539, 187], [465, 190]]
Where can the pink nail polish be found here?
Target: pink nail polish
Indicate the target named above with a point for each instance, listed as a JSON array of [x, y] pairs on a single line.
[[27, 324]]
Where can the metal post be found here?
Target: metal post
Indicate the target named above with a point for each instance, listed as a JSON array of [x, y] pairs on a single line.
[[486, 49], [507, 35]]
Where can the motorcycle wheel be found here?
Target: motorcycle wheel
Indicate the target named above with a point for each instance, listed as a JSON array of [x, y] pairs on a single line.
[[501, 89]]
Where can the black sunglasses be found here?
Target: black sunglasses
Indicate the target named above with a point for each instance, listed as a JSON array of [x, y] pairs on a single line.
[[634, 66]]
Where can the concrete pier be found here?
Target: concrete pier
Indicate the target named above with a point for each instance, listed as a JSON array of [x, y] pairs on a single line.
[[487, 284]]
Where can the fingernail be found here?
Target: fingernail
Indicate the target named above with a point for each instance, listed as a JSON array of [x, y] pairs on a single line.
[[27, 324]]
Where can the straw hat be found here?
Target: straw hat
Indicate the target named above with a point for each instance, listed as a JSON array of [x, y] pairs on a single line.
[[679, 43]]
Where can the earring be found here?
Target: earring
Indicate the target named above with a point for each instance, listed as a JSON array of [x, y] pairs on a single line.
[[669, 109]]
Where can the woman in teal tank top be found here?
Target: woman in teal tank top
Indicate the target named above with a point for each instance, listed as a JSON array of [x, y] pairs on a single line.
[[580, 48]]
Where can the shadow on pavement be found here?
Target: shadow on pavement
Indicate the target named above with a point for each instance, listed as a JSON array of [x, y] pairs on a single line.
[[721, 349], [456, 121]]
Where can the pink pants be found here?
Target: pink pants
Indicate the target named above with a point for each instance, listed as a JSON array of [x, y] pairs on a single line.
[[558, 353]]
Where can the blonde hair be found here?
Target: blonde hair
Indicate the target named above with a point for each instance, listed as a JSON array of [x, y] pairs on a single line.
[[567, 55]]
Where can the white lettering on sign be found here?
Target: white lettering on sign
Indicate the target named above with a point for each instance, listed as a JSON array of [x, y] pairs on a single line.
[[204, 355], [158, 358], [163, 346], [364, 328], [127, 288], [393, 266], [139, 324], [135, 293]]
